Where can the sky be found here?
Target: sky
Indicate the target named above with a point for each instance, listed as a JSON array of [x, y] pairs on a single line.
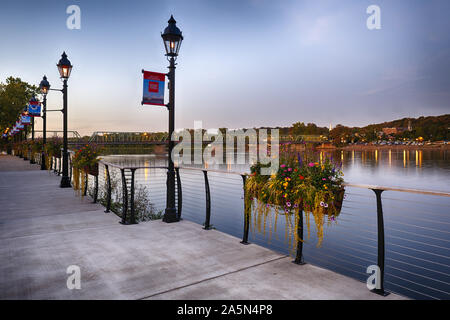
[[246, 63]]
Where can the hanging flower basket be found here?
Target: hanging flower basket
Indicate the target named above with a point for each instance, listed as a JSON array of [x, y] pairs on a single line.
[[313, 187], [92, 170], [53, 147]]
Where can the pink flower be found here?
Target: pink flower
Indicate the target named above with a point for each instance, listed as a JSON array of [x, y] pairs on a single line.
[[289, 169], [311, 164], [283, 166]]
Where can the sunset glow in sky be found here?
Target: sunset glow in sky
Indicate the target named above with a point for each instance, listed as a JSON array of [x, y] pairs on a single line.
[[242, 63]]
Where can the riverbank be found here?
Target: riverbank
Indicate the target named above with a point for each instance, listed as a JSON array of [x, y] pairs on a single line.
[[394, 147]]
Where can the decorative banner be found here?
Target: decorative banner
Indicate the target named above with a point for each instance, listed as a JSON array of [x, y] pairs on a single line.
[[153, 88], [34, 108], [25, 119]]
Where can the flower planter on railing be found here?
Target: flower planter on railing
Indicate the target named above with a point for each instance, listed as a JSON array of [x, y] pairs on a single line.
[[92, 170], [312, 188], [84, 162]]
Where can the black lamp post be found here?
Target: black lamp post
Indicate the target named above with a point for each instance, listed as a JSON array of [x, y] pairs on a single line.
[[33, 99], [65, 67], [45, 87], [25, 133], [172, 38]]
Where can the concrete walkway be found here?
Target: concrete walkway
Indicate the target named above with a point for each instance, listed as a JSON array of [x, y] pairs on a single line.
[[44, 229]]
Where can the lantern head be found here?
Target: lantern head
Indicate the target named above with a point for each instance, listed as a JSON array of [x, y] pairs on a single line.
[[172, 38], [44, 85], [64, 67]]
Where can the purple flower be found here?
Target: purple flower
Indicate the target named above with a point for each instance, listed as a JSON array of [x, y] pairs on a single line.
[[288, 204]]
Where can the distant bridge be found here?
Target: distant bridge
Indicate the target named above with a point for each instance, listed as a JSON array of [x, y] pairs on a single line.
[[149, 138], [112, 138], [108, 137]]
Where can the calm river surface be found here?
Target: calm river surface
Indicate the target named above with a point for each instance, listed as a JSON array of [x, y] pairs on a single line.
[[417, 227]]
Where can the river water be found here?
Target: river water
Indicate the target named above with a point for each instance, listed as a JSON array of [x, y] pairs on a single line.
[[417, 227]]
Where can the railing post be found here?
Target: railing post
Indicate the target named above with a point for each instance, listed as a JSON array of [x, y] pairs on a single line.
[[108, 196], [246, 215], [132, 217], [124, 198], [208, 201], [381, 251], [299, 256], [86, 177], [55, 168], [179, 193], [70, 168], [96, 189]]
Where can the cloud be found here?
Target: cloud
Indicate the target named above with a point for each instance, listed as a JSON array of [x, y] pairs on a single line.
[[316, 32]]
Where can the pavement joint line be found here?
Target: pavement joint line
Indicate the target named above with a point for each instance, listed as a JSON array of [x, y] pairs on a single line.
[[114, 224], [215, 277], [53, 215]]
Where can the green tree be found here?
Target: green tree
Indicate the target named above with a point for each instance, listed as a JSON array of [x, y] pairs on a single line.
[[14, 96]]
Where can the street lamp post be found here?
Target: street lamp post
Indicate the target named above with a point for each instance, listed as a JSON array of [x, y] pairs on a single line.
[[25, 156], [172, 38], [65, 67], [45, 87]]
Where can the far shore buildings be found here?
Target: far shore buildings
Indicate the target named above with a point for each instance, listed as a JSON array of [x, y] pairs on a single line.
[[396, 130]]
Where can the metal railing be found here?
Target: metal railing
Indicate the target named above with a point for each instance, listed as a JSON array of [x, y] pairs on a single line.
[[349, 254], [128, 187]]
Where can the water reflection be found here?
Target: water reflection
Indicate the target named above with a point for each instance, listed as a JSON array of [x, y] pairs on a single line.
[[426, 169]]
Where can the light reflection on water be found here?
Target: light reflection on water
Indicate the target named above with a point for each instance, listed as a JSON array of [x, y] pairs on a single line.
[[416, 226], [419, 169]]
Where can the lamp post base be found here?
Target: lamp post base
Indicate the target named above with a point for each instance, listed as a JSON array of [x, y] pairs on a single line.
[[43, 163], [65, 182], [380, 292], [170, 215]]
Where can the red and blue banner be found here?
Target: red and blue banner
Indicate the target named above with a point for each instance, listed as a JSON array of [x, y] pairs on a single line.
[[153, 88], [25, 119], [34, 109]]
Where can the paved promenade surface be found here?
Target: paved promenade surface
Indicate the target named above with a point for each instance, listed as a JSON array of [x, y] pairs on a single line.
[[44, 229]]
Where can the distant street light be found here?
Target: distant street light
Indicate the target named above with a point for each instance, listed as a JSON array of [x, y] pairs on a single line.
[[65, 67], [172, 38], [33, 99], [45, 87]]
